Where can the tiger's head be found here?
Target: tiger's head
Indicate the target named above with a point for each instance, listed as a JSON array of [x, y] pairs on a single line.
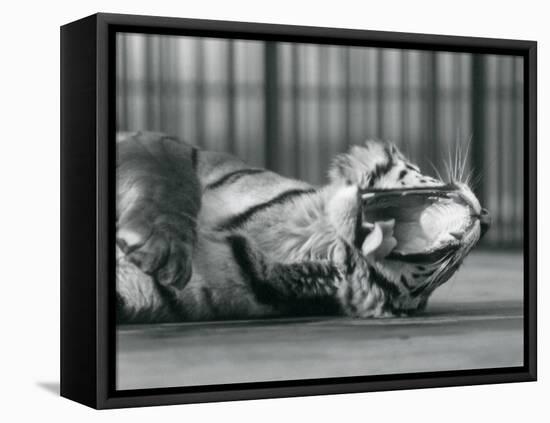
[[414, 229]]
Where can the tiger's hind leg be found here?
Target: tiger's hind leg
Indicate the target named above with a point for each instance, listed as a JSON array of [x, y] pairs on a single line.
[[158, 200]]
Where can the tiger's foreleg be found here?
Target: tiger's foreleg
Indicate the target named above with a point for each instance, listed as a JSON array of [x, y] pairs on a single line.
[[279, 283], [349, 285]]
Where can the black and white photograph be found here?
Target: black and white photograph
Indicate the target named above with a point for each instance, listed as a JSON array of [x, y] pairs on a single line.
[[283, 211], [293, 211]]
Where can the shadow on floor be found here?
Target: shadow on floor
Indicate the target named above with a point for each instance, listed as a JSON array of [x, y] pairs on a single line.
[[51, 387]]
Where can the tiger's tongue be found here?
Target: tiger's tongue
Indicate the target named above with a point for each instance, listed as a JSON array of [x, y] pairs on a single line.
[[412, 237], [429, 228]]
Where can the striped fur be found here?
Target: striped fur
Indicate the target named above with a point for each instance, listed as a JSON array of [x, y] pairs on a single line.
[[201, 235]]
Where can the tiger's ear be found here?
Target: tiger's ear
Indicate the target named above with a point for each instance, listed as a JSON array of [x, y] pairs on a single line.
[[346, 171], [357, 166]]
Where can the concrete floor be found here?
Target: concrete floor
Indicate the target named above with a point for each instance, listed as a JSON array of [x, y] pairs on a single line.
[[474, 321]]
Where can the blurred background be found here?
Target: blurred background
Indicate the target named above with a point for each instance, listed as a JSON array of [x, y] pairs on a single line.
[[291, 107]]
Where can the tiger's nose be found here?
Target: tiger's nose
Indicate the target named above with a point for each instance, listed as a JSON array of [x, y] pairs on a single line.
[[484, 221]]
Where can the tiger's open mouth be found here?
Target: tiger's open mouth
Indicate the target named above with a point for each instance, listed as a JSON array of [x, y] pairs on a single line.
[[430, 222]]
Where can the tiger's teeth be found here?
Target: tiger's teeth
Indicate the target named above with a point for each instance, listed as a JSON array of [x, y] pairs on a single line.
[[367, 195], [457, 235]]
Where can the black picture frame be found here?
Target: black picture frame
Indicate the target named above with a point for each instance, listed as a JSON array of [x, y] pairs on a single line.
[[87, 210]]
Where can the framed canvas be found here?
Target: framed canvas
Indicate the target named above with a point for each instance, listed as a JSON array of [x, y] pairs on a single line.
[[255, 211]]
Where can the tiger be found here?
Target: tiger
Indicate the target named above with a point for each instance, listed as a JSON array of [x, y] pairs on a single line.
[[201, 235]]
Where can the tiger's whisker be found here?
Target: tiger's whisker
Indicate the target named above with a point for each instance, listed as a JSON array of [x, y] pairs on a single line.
[[466, 155], [435, 170]]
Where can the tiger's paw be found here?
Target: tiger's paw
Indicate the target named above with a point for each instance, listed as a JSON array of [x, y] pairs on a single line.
[[160, 251], [358, 298]]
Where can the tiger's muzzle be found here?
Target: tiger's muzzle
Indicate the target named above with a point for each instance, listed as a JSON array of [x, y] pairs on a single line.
[[430, 222]]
